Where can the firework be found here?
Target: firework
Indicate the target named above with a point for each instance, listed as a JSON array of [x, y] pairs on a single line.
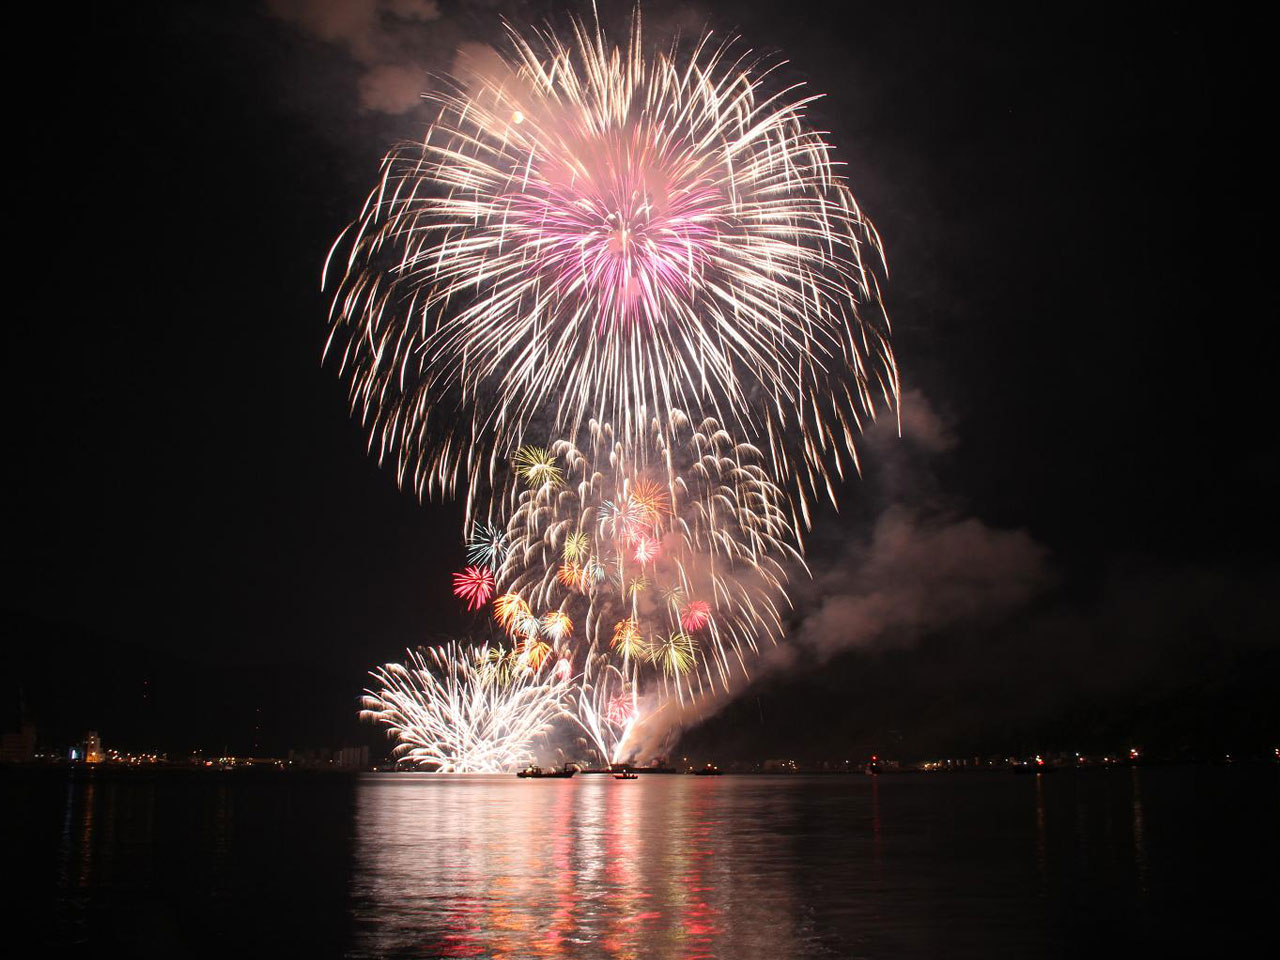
[[606, 708], [487, 546], [513, 613], [621, 709], [456, 709], [652, 500], [474, 585], [556, 625], [588, 232], [536, 467], [707, 559], [675, 655], [646, 549], [577, 546], [628, 640], [628, 305], [595, 572], [535, 652], [572, 575], [625, 520], [695, 615]]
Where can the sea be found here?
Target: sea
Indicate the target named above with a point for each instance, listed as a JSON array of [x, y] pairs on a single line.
[[1142, 861]]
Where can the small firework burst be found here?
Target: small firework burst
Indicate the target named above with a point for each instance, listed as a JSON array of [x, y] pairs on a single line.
[[646, 549], [695, 615], [487, 546], [535, 652], [628, 640], [474, 585], [577, 546], [651, 499], [501, 664], [624, 519], [572, 575], [537, 468], [621, 709], [556, 625], [595, 571], [513, 613], [675, 654]]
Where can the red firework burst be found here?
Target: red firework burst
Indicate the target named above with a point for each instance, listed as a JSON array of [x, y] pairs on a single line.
[[696, 615], [474, 585]]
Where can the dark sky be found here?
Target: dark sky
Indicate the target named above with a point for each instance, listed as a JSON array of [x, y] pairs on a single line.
[[1072, 205]]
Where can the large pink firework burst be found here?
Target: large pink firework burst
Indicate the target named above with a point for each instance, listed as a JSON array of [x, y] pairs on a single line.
[[589, 231], [633, 222]]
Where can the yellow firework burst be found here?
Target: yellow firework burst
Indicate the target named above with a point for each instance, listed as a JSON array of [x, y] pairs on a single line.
[[628, 640], [536, 466], [577, 546], [675, 655]]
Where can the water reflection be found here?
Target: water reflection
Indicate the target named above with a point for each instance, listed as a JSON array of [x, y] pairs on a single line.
[[1139, 832], [664, 867], [77, 839], [1042, 864], [593, 867]]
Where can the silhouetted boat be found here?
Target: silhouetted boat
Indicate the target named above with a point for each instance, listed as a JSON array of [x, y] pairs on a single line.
[[537, 773], [708, 771], [626, 776]]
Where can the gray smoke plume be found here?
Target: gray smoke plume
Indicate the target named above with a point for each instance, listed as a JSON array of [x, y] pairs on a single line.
[[922, 564]]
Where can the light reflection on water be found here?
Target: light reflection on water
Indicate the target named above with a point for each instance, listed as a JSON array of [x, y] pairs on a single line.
[[692, 867], [591, 867]]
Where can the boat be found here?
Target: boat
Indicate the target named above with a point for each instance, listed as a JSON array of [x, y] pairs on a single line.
[[710, 770], [537, 773], [626, 776]]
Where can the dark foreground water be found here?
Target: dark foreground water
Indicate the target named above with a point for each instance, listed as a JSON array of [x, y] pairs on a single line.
[[1153, 861]]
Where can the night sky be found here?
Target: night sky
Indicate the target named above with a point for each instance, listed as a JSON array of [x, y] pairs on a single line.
[[1075, 537]]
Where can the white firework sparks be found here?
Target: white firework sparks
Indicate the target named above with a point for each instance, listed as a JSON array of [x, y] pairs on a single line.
[[458, 709]]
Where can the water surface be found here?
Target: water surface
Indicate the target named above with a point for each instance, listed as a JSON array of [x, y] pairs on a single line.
[[1164, 861]]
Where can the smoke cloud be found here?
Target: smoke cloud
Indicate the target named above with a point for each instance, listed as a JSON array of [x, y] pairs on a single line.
[[923, 563], [396, 42], [399, 43], [917, 572], [920, 565]]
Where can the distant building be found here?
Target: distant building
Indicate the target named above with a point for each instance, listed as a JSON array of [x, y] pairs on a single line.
[[93, 752], [346, 758], [19, 747], [352, 758]]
